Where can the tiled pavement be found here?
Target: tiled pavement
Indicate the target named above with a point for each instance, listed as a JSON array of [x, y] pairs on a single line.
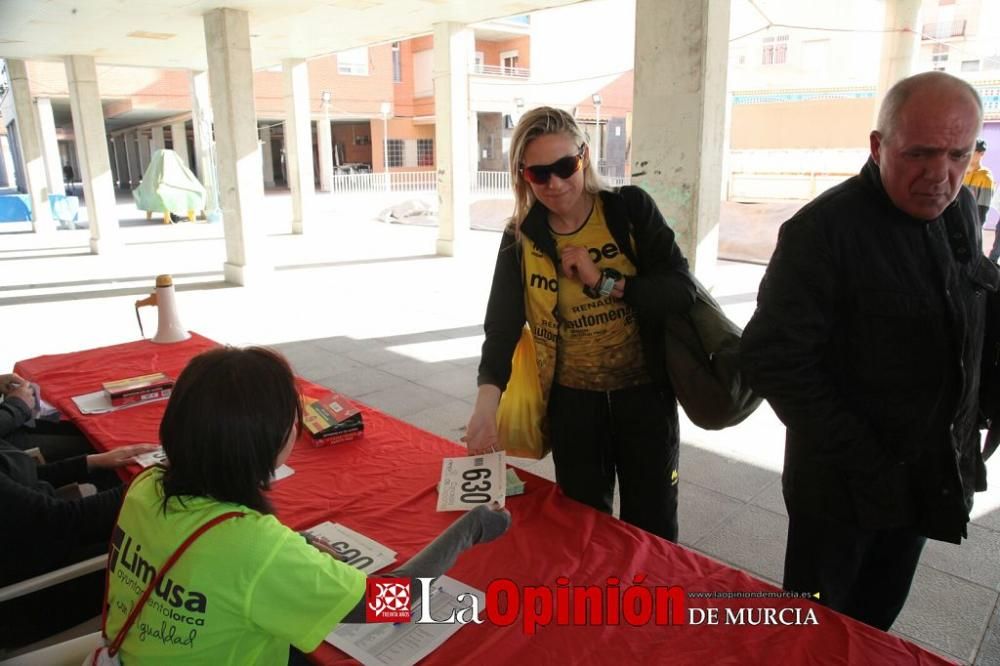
[[362, 307]]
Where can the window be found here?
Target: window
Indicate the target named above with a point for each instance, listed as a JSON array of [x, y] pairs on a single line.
[[425, 152], [480, 62], [395, 149], [508, 61], [939, 58], [423, 83], [775, 50], [970, 65], [353, 61], [397, 64]]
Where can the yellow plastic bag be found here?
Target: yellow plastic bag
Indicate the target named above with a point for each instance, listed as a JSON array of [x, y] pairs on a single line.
[[521, 415]]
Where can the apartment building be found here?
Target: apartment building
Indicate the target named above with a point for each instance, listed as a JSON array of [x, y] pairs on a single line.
[[371, 108], [803, 83]]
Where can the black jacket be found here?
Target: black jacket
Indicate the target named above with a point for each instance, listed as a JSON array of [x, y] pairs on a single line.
[[39, 530], [867, 342], [662, 285]]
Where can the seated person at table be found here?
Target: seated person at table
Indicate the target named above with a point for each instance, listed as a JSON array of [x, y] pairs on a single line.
[[43, 530], [250, 587], [54, 439]]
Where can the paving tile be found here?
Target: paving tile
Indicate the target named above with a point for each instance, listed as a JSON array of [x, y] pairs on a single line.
[[340, 344], [946, 612], [976, 560], [771, 498], [990, 520], [701, 510], [730, 477], [313, 362], [447, 419], [989, 649], [402, 400], [361, 381], [751, 539], [375, 354], [459, 382], [414, 370]]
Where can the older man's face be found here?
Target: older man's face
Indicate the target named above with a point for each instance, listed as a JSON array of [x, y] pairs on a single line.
[[923, 160]]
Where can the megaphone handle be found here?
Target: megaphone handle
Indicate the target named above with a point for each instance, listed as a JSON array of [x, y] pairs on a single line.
[[142, 333]]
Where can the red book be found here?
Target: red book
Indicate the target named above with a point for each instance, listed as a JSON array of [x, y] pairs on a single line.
[[331, 418], [138, 389]]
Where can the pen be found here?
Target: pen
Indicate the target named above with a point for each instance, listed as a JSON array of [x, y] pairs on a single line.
[[320, 545]]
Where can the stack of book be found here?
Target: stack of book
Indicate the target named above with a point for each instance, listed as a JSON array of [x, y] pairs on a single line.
[[138, 389], [331, 418]]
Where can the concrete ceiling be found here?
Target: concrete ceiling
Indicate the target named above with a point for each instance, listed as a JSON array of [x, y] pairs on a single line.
[[170, 33]]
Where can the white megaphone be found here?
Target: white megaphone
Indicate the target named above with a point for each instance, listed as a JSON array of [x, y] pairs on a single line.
[[169, 327]]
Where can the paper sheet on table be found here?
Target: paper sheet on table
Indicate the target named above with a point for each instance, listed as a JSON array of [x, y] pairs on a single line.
[[352, 547], [98, 402], [389, 644], [468, 481]]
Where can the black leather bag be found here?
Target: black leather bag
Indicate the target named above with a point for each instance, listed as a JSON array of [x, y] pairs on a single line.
[[703, 361]]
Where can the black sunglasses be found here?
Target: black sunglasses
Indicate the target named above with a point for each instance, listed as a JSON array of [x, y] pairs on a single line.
[[539, 174]]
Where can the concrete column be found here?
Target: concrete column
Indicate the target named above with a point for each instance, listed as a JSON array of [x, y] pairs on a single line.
[[453, 51], [241, 192], [900, 45], [178, 134], [6, 179], [92, 151], [134, 167], [681, 49], [201, 122], [50, 145], [121, 158], [144, 151], [113, 161], [325, 139], [266, 156], [31, 147], [204, 152], [298, 140], [159, 141]]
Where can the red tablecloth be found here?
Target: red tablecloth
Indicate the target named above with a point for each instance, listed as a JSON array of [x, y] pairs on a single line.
[[383, 485]]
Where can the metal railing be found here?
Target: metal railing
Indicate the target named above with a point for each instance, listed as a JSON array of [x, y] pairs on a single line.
[[394, 181], [485, 182], [500, 70], [943, 29], [492, 181]]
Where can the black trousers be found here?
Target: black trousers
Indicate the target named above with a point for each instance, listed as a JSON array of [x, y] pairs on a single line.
[[630, 434], [864, 574], [57, 440]]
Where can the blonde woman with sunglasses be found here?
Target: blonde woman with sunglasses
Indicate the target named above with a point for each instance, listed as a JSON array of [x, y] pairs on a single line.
[[594, 272]]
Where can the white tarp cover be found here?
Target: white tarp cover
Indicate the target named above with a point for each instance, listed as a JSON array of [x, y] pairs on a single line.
[[169, 186]]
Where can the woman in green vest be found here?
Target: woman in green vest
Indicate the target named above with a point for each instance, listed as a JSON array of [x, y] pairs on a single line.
[[249, 587]]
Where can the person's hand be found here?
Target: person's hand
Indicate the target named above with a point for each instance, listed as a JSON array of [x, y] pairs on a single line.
[[481, 433], [10, 382], [577, 265], [23, 392], [118, 457], [493, 521]]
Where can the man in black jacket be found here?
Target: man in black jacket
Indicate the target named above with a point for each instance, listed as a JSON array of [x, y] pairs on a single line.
[[867, 342]]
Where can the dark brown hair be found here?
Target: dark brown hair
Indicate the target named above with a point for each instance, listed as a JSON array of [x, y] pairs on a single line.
[[230, 414]]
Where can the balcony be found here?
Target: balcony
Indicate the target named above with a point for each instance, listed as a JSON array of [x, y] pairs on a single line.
[[500, 70], [943, 29]]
